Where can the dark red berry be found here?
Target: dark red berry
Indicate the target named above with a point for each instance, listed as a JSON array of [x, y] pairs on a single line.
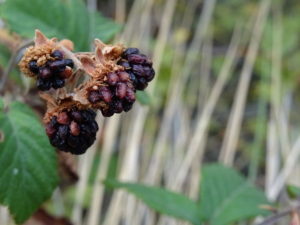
[[105, 94], [45, 73], [121, 90], [141, 84], [57, 54], [66, 73], [112, 78], [138, 70], [33, 67], [136, 59], [130, 95], [94, 97], [74, 128], [123, 76], [50, 130], [57, 65], [76, 116], [63, 118]]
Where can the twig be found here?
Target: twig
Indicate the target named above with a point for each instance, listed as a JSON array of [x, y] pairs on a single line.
[[272, 219], [12, 63]]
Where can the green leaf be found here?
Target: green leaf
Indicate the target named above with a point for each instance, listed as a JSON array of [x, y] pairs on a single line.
[[56, 18], [162, 200], [293, 191], [28, 163], [143, 97], [226, 196]]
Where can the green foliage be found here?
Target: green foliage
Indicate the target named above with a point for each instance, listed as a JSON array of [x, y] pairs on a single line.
[[162, 200], [293, 191], [143, 97], [27, 162], [227, 197], [56, 18]]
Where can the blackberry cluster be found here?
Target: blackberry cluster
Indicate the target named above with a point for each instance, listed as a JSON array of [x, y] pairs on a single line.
[[73, 131], [53, 73], [138, 66], [117, 93]]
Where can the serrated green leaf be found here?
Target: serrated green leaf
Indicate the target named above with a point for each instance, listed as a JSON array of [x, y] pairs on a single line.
[[164, 201], [28, 163], [143, 97], [62, 19], [227, 197], [293, 191]]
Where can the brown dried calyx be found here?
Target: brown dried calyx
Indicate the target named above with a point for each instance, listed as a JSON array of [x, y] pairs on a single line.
[[41, 51]]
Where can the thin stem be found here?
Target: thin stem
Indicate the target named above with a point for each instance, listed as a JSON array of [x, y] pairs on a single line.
[[12, 63]]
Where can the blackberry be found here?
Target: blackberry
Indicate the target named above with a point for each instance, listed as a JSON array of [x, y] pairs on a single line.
[[115, 96], [138, 66], [72, 131], [53, 73]]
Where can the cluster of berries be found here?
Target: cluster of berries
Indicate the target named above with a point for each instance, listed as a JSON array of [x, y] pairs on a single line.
[[117, 93], [114, 73], [138, 66], [53, 73], [72, 130]]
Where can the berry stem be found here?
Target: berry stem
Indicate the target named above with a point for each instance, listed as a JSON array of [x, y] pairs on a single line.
[[13, 61]]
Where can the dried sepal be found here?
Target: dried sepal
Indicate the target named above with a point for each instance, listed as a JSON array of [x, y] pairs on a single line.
[[40, 52], [61, 105], [110, 52]]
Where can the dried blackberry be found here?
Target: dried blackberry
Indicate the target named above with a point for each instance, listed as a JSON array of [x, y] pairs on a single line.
[[138, 66], [73, 131], [52, 73], [115, 96]]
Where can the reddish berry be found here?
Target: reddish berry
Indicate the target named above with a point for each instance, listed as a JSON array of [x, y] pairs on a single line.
[[63, 118]]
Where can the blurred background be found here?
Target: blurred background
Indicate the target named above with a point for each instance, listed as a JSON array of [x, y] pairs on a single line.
[[226, 90]]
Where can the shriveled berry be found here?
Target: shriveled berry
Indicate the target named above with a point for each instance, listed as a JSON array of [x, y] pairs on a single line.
[[57, 54], [45, 73], [121, 90], [63, 118], [105, 94], [123, 76], [58, 83], [130, 51], [112, 78], [57, 65], [42, 84], [33, 67], [69, 62], [74, 128], [133, 78], [149, 73], [94, 97]]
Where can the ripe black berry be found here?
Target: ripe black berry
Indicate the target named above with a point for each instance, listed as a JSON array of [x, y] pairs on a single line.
[[57, 54], [53, 73], [138, 66], [33, 66], [73, 131]]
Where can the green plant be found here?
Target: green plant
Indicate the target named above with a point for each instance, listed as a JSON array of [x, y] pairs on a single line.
[[225, 197]]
